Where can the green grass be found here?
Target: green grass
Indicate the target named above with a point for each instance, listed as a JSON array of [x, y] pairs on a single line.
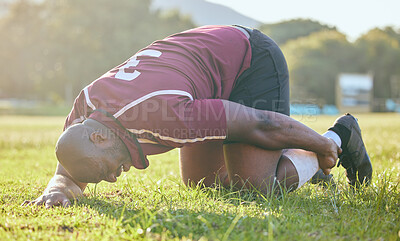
[[37, 110], [153, 204]]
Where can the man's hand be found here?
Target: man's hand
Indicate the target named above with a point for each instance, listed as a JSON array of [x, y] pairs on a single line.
[[55, 198], [60, 190], [327, 158]]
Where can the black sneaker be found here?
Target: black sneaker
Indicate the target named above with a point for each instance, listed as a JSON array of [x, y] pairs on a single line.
[[354, 157], [321, 179]]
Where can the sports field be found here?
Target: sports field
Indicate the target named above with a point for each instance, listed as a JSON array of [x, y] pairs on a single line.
[[154, 205]]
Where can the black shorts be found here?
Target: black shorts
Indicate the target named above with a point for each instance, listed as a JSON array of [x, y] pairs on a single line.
[[265, 85]]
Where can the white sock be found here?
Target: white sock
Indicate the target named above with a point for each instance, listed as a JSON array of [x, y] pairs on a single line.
[[335, 137], [306, 162]]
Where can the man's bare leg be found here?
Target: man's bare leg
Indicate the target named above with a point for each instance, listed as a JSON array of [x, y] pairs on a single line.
[[265, 170], [203, 161], [206, 162], [250, 166], [247, 165]]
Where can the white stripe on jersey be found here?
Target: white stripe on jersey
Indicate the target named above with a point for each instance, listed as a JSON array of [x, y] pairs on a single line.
[[181, 141], [143, 98], [152, 94], [88, 102], [138, 101]]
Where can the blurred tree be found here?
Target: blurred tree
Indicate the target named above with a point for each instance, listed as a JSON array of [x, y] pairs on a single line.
[[392, 32], [49, 47], [315, 62], [21, 39], [380, 53], [292, 29], [57, 45]]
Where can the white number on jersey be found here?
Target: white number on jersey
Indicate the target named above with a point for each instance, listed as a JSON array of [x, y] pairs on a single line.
[[133, 62]]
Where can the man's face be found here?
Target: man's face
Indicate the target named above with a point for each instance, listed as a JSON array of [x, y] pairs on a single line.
[[113, 166], [106, 167], [98, 164], [102, 156]]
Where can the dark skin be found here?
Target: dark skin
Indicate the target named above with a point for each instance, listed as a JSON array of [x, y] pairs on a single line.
[[104, 154], [264, 129], [275, 131], [69, 182]]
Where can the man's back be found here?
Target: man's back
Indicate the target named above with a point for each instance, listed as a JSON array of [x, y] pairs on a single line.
[[152, 91]]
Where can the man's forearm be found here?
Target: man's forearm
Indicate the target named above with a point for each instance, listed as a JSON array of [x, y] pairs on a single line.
[[60, 171], [60, 190], [61, 183], [270, 130], [283, 132]]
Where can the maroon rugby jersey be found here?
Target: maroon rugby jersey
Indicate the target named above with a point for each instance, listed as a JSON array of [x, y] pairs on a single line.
[[168, 94]]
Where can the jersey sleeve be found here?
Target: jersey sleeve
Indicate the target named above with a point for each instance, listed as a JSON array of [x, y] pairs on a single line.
[[204, 120], [177, 123], [79, 111]]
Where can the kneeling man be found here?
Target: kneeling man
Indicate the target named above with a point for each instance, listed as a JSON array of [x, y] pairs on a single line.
[[221, 95]]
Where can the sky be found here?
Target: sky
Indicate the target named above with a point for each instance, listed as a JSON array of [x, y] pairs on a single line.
[[352, 17]]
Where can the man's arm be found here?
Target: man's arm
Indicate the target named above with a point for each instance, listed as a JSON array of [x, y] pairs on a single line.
[[62, 187], [60, 190], [274, 131]]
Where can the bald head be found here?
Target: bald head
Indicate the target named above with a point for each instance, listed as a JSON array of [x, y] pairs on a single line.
[[86, 151]]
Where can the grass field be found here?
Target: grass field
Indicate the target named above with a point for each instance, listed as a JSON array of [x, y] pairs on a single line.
[[154, 205]]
